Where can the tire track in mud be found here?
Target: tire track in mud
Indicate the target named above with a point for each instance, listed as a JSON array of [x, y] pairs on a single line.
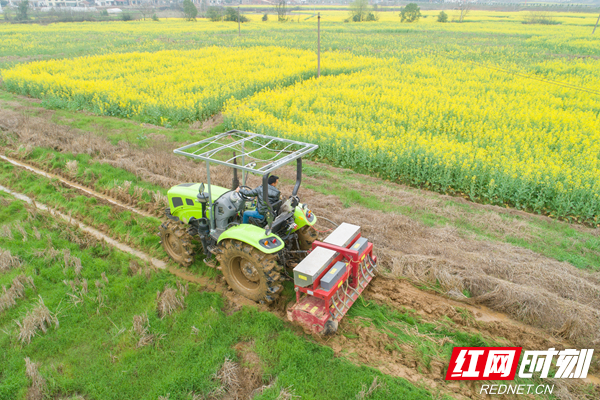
[[87, 191], [367, 345]]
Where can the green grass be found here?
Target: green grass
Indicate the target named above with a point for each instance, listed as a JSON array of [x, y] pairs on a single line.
[[93, 352], [90, 172]]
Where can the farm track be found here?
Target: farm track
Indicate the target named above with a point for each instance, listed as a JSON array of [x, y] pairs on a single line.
[[366, 345]]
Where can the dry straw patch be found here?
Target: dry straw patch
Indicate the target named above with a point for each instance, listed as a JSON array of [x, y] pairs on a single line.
[[16, 291], [21, 230], [136, 269], [171, 300], [79, 290], [71, 168], [287, 393], [228, 376], [71, 262], [366, 392], [38, 383], [238, 380], [141, 327], [8, 261], [6, 232], [40, 318]]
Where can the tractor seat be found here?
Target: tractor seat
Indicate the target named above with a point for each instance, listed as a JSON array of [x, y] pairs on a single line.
[[261, 223], [276, 206]]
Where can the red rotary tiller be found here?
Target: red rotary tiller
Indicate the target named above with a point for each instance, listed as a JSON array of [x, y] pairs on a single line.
[[332, 277]]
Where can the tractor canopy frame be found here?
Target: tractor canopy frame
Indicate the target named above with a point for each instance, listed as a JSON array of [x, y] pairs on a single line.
[[259, 154]]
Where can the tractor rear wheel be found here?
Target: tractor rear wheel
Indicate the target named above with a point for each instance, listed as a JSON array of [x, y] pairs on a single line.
[[177, 242], [250, 272], [306, 236]]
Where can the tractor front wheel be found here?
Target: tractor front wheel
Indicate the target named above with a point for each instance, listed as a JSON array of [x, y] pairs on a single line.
[[250, 272], [177, 242]]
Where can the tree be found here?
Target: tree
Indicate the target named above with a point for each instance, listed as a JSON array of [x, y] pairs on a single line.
[[231, 14], [265, 17], [359, 10], [22, 10], [372, 17], [281, 9], [189, 10], [410, 13], [7, 14], [464, 7], [215, 13], [540, 17], [146, 8], [203, 8], [442, 17]]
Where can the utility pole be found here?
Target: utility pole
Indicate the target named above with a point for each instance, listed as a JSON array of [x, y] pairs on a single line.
[[319, 45], [239, 29], [596, 24]]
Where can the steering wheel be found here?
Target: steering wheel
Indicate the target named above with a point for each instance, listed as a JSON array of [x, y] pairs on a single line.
[[243, 196]]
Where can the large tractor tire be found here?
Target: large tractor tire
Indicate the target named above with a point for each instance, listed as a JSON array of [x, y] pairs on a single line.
[[306, 236], [250, 272], [177, 242]]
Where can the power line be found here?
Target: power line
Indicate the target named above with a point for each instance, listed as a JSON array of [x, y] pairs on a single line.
[[523, 75]]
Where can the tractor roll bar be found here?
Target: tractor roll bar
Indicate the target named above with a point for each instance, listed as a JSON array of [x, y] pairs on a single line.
[[260, 154]]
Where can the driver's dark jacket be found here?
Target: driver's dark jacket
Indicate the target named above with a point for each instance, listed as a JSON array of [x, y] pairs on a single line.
[[261, 206]]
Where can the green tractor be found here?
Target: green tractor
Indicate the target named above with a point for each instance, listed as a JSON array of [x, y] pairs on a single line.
[[253, 257]]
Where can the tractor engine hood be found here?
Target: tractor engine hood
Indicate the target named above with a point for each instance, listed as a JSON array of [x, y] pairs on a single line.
[[180, 194]]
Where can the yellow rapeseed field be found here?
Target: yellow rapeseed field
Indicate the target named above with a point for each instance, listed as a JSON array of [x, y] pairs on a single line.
[[169, 86], [451, 126]]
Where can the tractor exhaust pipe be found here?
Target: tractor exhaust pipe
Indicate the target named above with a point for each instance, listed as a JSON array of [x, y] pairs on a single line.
[[235, 182]]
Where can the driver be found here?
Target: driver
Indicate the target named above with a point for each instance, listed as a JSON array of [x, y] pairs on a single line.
[[261, 206]]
